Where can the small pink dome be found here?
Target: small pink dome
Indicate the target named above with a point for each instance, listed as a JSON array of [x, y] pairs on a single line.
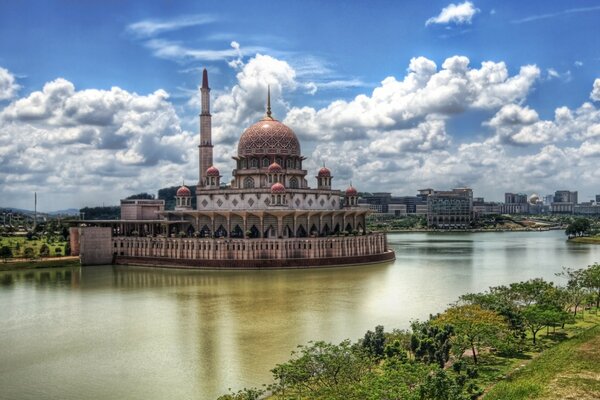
[[351, 191], [212, 171], [183, 191], [277, 188], [324, 173], [275, 168]]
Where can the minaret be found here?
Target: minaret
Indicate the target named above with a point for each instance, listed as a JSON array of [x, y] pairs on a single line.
[[206, 147]]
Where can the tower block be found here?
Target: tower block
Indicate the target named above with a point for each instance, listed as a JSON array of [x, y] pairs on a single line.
[[205, 147]]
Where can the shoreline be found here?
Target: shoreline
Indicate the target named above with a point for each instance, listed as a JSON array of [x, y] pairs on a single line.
[[426, 230], [54, 262]]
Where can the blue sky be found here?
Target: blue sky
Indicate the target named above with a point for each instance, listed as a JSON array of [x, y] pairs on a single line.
[[98, 101]]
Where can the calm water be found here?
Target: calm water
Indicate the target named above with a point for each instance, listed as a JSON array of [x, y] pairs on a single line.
[[122, 332]]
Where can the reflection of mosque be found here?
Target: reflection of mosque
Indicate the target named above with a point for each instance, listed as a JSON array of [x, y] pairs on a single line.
[[267, 212]]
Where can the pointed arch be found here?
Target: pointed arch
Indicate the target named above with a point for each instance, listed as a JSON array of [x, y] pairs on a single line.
[[249, 183], [301, 231], [293, 183]]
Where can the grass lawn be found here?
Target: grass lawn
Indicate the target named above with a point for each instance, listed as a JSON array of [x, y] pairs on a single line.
[[45, 263], [19, 243], [567, 370]]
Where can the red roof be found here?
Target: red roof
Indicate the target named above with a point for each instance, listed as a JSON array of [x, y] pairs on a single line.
[[351, 191], [324, 173], [277, 188], [275, 168], [212, 171], [183, 191]]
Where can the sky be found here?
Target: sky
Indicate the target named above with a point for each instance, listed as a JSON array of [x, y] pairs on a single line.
[[100, 100]]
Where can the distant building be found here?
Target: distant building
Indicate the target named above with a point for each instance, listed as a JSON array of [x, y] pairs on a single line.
[[598, 199], [481, 207], [142, 209], [515, 203], [564, 202], [591, 209], [450, 209]]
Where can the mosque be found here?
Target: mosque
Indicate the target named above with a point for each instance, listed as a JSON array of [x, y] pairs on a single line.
[[266, 217]]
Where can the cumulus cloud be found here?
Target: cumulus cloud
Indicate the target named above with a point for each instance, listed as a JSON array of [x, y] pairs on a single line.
[[8, 85], [425, 90], [517, 125], [455, 13], [60, 138], [595, 95]]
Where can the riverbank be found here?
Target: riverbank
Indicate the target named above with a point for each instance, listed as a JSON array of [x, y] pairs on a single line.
[[585, 239], [570, 370], [18, 264], [479, 230]]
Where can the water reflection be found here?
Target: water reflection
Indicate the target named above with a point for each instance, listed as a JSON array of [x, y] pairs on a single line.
[[52, 277]]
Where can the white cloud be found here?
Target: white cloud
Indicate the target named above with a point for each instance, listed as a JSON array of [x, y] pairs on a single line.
[[424, 91], [89, 143], [595, 95], [151, 27], [557, 14], [455, 13], [8, 85]]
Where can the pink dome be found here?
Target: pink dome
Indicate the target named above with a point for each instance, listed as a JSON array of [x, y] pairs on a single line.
[[351, 191], [183, 191], [324, 173], [268, 136], [277, 188], [212, 171], [275, 168]]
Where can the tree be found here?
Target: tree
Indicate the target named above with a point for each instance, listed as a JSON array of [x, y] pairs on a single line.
[[431, 343], [374, 342], [28, 253], [5, 253], [322, 370], [579, 227], [536, 318], [591, 280], [142, 196], [44, 250], [58, 251], [473, 325], [575, 290]]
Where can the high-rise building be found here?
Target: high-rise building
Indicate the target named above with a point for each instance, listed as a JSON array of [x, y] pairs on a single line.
[[450, 209]]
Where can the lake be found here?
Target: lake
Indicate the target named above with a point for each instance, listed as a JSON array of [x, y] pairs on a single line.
[[141, 333]]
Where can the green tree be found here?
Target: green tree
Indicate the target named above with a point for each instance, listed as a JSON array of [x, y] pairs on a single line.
[[374, 342], [322, 370], [44, 250], [579, 227], [431, 343], [591, 280], [5, 253], [576, 290], [28, 253], [473, 326], [536, 318]]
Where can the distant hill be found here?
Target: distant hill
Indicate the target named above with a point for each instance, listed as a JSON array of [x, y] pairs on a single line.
[[67, 211]]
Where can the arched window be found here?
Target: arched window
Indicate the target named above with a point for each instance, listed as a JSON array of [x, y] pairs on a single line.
[[279, 161], [265, 162], [289, 163], [294, 183], [298, 164], [254, 163], [244, 163], [248, 183]]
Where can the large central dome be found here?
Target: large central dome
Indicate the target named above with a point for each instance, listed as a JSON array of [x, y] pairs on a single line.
[[268, 136]]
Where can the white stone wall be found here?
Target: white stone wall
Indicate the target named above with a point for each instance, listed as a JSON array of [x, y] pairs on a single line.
[[260, 200], [250, 249]]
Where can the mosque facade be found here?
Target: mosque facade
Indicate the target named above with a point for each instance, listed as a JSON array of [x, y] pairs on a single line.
[[266, 216]]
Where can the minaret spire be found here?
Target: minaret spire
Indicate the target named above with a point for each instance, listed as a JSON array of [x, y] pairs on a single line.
[[269, 102], [206, 147]]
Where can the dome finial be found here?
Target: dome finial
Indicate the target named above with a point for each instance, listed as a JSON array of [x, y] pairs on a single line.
[[269, 101]]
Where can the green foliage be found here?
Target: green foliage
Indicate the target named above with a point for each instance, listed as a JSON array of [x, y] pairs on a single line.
[[374, 342], [322, 370], [579, 227], [28, 253], [591, 280], [6, 253], [110, 212], [431, 343], [44, 250], [474, 326], [141, 196], [244, 394]]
